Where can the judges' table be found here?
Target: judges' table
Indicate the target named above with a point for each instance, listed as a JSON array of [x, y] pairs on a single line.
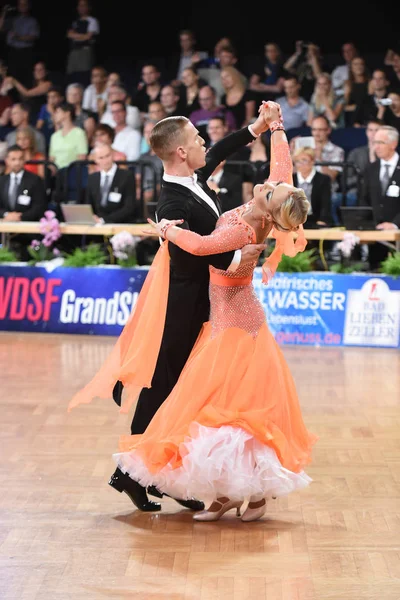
[[390, 237]]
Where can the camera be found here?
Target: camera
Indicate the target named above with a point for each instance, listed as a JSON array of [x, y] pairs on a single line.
[[385, 101]]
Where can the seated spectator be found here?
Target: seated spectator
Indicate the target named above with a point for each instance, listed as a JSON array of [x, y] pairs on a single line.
[[22, 194], [156, 111], [269, 82], [190, 91], [325, 102], [381, 189], [361, 158], [105, 134], [371, 107], [355, 88], [85, 119], [257, 160], [306, 64], [113, 78], [6, 100], [95, 95], [189, 56], [45, 122], [392, 60], [209, 109], [294, 107], [148, 89], [317, 187], [111, 191], [228, 186], [26, 141], [148, 180], [171, 101], [340, 73], [118, 92], [35, 95], [237, 98], [20, 119], [69, 143], [127, 139], [391, 113]]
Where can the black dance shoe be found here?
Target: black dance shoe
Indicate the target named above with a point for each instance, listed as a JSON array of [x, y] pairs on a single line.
[[137, 493], [192, 504]]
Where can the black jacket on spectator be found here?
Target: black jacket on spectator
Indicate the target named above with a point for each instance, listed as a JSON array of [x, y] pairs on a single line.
[[386, 208], [31, 197], [321, 199], [230, 190], [121, 211]]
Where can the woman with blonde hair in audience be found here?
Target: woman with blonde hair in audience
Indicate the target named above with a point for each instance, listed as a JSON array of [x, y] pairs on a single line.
[[237, 98], [27, 142], [325, 102]]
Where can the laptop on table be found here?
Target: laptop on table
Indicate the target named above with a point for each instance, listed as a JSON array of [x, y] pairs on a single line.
[[78, 214], [359, 218]]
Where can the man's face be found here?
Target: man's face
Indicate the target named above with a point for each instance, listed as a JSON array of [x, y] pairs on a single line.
[[216, 130], [193, 148], [348, 52], [17, 116], [115, 94], [156, 111], [74, 96], [168, 98], [371, 130], [227, 59], [206, 98], [103, 157], [150, 74], [291, 88], [83, 8], [118, 114], [15, 161], [98, 77], [320, 131], [384, 148]]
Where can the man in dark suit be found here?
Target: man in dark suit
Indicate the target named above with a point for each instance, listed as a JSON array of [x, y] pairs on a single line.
[[22, 194], [185, 195], [22, 197], [316, 186], [228, 185], [111, 191], [381, 188]]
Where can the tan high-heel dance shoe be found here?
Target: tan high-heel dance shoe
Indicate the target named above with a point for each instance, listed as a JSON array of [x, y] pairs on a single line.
[[255, 510], [217, 509]]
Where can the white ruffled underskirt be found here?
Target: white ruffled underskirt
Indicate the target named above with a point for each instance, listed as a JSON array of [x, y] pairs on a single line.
[[224, 461]]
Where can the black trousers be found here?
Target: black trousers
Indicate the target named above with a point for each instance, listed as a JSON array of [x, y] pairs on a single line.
[[187, 309]]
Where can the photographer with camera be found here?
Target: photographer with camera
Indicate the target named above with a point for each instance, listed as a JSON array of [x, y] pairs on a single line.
[[306, 64], [22, 32], [373, 105]]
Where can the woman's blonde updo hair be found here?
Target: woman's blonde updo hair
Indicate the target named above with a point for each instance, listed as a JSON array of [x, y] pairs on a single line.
[[292, 212], [167, 135]]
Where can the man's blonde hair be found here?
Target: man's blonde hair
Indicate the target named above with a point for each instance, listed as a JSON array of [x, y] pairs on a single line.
[[167, 135]]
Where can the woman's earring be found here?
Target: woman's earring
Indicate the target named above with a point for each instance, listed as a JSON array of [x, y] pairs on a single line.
[[263, 222]]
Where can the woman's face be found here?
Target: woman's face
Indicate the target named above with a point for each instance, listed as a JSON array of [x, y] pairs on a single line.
[[303, 164], [358, 66], [270, 196], [271, 52], [227, 80], [23, 141], [102, 136], [189, 78], [39, 71], [323, 85]]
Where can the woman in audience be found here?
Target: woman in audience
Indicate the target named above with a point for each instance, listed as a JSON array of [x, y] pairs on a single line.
[[69, 143], [355, 88], [105, 135], [391, 113], [325, 102], [190, 90], [85, 119], [270, 82], [27, 142], [36, 95], [237, 98]]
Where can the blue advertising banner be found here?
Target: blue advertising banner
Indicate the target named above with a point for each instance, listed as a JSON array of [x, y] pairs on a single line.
[[317, 308]]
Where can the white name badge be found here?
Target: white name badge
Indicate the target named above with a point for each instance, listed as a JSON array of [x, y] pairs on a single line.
[[393, 191], [114, 197], [24, 200]]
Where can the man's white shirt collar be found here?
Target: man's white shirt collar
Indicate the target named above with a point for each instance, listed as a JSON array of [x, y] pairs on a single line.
[[109, 173]]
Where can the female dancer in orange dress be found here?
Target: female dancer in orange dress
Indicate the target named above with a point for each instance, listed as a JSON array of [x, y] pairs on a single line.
[[232, 427]]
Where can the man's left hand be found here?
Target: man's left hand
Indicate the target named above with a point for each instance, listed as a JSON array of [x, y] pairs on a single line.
[[386, 226]]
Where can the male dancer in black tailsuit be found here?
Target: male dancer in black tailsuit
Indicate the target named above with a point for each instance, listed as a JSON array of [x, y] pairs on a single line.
[[185, 195]]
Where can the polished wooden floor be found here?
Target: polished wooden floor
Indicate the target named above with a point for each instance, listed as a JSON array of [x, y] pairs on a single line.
[[65, 534]]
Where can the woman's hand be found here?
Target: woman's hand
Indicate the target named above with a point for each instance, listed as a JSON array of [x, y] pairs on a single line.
[[159, 229]]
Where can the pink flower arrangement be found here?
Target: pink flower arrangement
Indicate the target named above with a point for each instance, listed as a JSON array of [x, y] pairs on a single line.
[[347, 245], [123, 245], [50, 229]]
